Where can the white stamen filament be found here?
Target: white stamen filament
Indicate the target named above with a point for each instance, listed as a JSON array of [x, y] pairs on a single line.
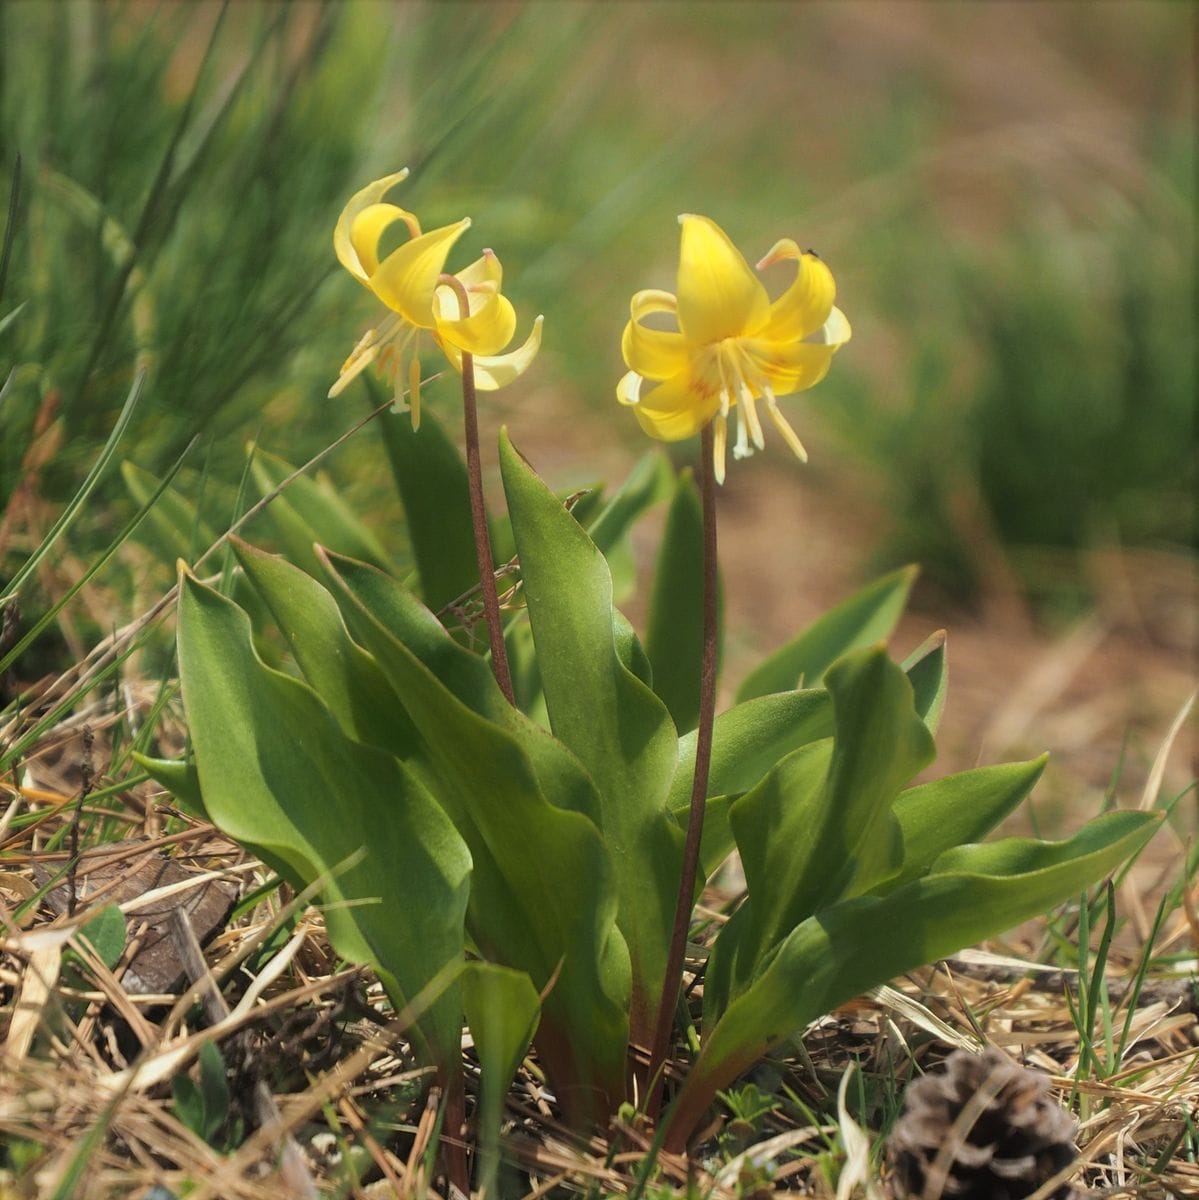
[[741, 448], [751, 415]]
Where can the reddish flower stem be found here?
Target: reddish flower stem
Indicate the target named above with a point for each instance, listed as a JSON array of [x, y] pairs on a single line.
[[478, 517], [478, 507], [673, 978]]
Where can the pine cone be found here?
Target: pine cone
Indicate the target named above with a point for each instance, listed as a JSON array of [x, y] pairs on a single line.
[[1018, 1138]]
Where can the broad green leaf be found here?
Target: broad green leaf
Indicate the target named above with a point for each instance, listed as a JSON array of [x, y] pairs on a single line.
[[502, 1010], [819, 826], [926, 669], [341, 673], [674, 638], [180, 778], [310, 510], [749, 739], [278, 774], [958, 809], [716, 842], [368, 597], [621, 731], [867, 617], [542, 899], [431, 477], [861, 943]]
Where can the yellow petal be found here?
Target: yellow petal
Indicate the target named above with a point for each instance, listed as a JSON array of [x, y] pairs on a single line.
[[719, 296], [484, 270], [805, 306], [788, 366], [407, 277], [835, 331], [487, 330], [343, 247], [497, 371], [367, 228], [653, 353], [677, 409]]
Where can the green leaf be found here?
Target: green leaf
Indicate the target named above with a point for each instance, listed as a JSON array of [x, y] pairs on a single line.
[[105, 932], [345, 677], [279, 775], [542, 899], [502, 1010], [863, 942], [310, 510], [648, 482], [819, 826], [621, 731], [431, 477], [935, 817], [675, 631], [927, 669], [867, 617], [180, 778], [173, 528], [749, 739], [203, 1108]]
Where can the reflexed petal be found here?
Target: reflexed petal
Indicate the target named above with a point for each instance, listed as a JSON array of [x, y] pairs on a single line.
[[835, 332], [788, 366], [485, 269], [805, 306], [677, 409], [628, 390], [718, 295], [486, 331], [407, 277], [367, 228], [371, 194], [652, 300], [653, 353], [497, 371]]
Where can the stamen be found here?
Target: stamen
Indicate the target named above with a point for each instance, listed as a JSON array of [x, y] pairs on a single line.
[[720, 436], [414, 391], [351, 369], [741, 448], [783, 426], [751, 415]]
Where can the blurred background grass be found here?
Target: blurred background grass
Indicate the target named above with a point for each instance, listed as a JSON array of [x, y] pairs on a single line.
[[1006, 193]]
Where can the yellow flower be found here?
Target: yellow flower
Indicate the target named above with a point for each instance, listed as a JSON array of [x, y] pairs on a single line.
[[423, 299], [733, 346]]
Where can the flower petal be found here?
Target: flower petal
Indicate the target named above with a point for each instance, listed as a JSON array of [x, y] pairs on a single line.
[[805, 306], [677, 409], [371, 194], [719, 296], [367, 228], [487, 330], [834, 332], [497, 371], [788, 366], [653, 353], [485, 269], [407, 277]]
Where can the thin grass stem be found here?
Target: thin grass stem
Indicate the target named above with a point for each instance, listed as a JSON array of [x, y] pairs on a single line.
[[673, 977]]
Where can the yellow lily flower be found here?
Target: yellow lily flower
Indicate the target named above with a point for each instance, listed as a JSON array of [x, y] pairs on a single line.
[[733, 346], [412, 282]]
